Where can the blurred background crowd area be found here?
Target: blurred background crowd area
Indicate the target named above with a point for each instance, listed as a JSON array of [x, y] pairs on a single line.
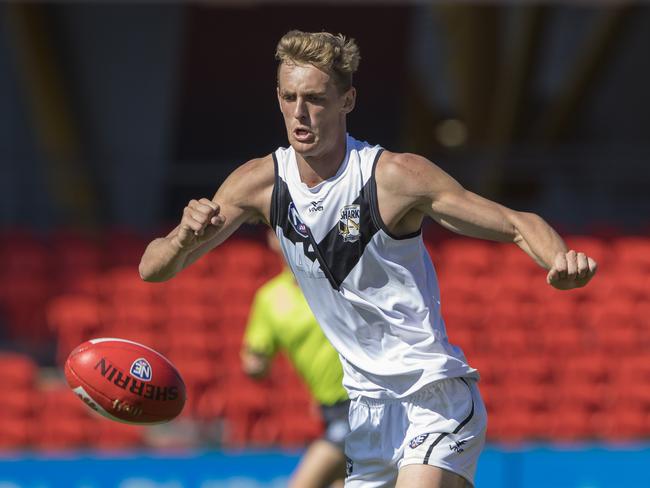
[[555, 366], [114, 115]]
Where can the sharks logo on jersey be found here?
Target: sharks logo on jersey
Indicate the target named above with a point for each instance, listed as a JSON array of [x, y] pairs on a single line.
[[350, 223], [296, 222]]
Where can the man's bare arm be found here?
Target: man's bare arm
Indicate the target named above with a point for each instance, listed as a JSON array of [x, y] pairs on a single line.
[[244, 196], [420, 186]]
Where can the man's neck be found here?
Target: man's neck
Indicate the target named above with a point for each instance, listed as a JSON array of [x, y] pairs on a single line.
[[316, 169]]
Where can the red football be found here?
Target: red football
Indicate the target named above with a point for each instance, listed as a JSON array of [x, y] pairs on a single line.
[[125, 381]]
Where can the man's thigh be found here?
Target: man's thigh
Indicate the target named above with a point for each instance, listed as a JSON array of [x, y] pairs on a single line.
[[322, 464], [425, 476]]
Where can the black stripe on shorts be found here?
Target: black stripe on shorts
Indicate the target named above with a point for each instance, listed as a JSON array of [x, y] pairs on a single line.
[[456, 430]]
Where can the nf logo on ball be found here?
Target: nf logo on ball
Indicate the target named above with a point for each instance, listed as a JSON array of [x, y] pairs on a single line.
[[141, 369]]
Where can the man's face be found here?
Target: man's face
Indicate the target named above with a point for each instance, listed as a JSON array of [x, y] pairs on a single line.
[[313, 109]]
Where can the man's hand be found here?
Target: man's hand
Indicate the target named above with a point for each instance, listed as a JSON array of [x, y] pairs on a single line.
[[201, 221], [254, 364], [571, 270]]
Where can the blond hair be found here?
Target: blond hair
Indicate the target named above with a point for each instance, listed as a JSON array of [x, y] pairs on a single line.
[[334, 54]]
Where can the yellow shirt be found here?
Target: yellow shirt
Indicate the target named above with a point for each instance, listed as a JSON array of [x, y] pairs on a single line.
[[281, 319]]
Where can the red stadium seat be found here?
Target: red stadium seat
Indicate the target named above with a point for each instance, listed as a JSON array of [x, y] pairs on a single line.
[[19, 371], [462, 314], [584, 395], [559, 313], [623, 339], [526, 396], [211, 403], [512, 341], [613, 314], [64, 422], [458, 289], [570, 424], [515, 288], [466, 257], [632, 254], [57, 433], [512, 260], [191, 290], [29, 256], [124, 248], [516, 425], [265, 432], [75, 312], [298, 430], [566, 340], [190, 315], [143, 315], [22, 300], [622, 423], [123, 284], [630, 287], [629, 395], [632, 369], [237, 432], [511, 314], [239, 258], [116, 436], [76, 252], [192, 344], [16, 433], [530, 368], [466, 339], [587, 368], [245, 397], [19, 404]]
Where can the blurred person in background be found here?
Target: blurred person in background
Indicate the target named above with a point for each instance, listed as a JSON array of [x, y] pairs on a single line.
[[281, 319], [349, 218]]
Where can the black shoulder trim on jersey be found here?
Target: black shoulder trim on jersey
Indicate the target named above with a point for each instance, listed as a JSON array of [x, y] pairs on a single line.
[[374, 206], [287, 221], [339, 256], [274, 194]]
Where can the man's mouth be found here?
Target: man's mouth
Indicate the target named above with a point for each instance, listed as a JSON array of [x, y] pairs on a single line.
[[302, 134]]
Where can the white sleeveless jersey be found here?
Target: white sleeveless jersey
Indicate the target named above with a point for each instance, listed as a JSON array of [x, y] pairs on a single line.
[[375, 295]]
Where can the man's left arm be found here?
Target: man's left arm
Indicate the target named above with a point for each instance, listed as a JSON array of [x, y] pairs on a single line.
[[428, 189]]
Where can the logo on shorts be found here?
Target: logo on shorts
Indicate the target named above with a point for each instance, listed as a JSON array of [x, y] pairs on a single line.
[[141, 369], [296, 222], [416, 441], [348, 466], [457, 446], [350, 223]]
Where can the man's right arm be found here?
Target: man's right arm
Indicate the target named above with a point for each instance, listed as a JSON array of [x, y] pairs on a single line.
[[245, 196]]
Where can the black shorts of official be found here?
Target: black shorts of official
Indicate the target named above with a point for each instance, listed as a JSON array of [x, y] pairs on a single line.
[[337, 425]]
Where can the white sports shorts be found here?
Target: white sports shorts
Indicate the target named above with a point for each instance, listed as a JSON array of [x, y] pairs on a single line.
[[442, 425]]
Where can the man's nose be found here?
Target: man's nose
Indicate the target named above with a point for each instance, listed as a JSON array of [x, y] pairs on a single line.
[[300, 110]]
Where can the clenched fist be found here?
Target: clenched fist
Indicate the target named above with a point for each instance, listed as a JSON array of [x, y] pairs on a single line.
[[201, 221], [571, 270]]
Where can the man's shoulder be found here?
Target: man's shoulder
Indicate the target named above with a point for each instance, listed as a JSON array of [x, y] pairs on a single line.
[[258, 169], [250, 181], [398, 170]]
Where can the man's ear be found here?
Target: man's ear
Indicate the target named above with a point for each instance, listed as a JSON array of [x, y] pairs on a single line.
[[350, 100]]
